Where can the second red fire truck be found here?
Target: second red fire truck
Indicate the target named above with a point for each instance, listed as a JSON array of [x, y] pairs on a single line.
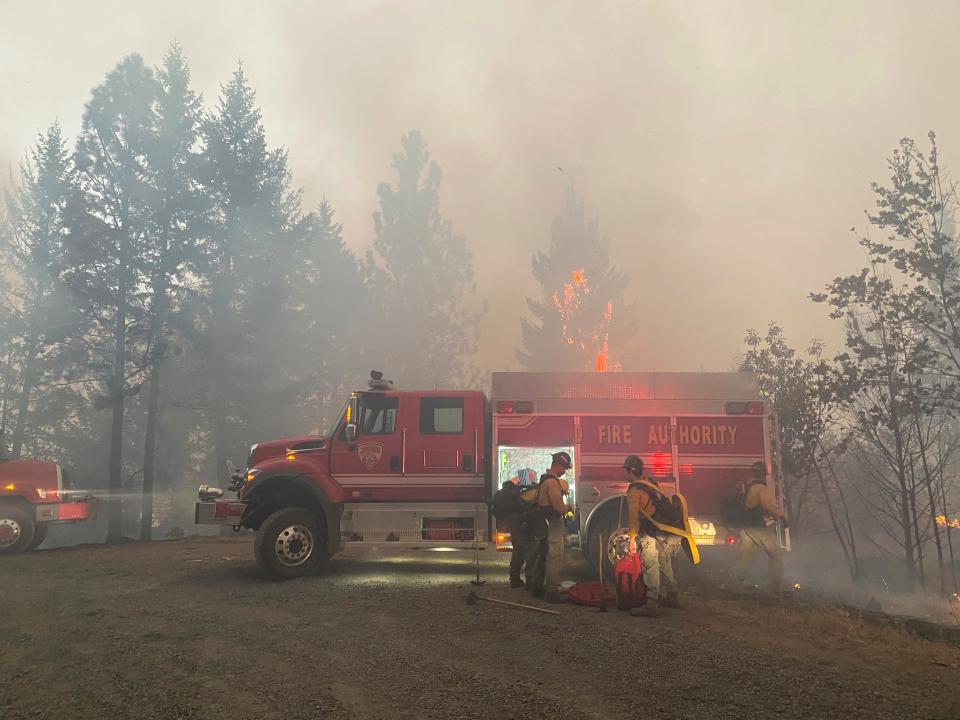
[[417, 468], [34, 494]]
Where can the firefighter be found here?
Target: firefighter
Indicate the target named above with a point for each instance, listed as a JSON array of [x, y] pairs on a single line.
[[520, 538], [548, 531], [653, 543], [759, 529]]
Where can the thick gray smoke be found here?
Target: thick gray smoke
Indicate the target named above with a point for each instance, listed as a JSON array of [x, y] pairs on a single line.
[[726, 148]]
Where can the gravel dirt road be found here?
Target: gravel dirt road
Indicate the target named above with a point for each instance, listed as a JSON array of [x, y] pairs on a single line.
[[189, 629]]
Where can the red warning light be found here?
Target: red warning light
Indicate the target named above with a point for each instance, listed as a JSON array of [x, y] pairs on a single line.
[[661, 464]]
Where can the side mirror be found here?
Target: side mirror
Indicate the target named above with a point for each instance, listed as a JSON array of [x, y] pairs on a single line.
[[353, 409]]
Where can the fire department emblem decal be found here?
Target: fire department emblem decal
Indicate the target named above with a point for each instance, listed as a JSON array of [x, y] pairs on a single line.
[[369, 454]]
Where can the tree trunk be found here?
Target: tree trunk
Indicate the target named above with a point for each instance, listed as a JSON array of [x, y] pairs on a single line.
[[153, 410], [220, 353], [117, 393], [928, 483], [27, 379], [921, 569], [905, 516], [953, 565], [844, 531], [23, 400]]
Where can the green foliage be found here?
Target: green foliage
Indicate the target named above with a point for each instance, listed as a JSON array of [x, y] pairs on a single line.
[[168, 246], [789, 383], [896, 384], [420, 278]]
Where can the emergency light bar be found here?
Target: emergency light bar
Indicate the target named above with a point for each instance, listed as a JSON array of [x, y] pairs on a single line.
[[743, 408]]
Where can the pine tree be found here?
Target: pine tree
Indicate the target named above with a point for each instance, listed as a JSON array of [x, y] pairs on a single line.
[[420, 274], [176, 213], [256, 233], [39, 315], [581, 321], [328, 297], [107, 240]]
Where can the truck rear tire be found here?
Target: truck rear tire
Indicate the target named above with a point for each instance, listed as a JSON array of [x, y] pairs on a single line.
[[289, 544], [39, 536], [17, 529]]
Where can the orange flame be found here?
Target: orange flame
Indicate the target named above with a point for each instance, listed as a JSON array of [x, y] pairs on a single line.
[[569, 304], [602, 357], [953, 524]]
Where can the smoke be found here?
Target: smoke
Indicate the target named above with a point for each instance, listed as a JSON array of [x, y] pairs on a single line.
[[817, 566], [725, 148]]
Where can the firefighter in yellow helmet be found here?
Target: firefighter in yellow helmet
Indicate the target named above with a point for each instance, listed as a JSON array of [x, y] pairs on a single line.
[[651, 542], [548, 530], [759, 530]]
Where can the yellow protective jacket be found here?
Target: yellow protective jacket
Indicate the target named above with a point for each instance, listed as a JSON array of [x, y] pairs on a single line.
[[552, 490], [639, 502]]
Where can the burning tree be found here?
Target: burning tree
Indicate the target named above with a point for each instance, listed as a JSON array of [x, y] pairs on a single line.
[[582, 313], [577, 331]]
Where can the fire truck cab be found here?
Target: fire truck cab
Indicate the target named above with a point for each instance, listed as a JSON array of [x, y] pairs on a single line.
[[34, 495], [418, 468]]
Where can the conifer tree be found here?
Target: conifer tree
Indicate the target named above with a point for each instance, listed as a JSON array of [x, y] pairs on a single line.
[[580, 321], [255, 235], [174, 223], [424, 324], [106, 243], [39, 315], [328, 304]]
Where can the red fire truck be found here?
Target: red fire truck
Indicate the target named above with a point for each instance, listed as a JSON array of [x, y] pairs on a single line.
[[418, 468], [34, 495]]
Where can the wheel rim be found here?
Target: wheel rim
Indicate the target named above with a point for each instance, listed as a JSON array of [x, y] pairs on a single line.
[[294, 545], [10, 531], [618, 544]]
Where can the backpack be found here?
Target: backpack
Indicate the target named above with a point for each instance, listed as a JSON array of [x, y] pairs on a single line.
[[511, 502], [665, 511], [591, 594], [506, 503], [628, 582], [735, 514]]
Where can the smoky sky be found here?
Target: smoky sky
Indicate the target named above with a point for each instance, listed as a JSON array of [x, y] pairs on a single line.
[[725, 147]]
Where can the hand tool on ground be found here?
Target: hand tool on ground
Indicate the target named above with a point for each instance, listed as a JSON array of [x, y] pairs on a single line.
[[473, 598]]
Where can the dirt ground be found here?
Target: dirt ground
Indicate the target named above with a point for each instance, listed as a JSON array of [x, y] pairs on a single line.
[[189, 629]]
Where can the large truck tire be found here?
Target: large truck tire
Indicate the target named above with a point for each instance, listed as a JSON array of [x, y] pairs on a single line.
[[289, 544], [17, 528], [39, 536]]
